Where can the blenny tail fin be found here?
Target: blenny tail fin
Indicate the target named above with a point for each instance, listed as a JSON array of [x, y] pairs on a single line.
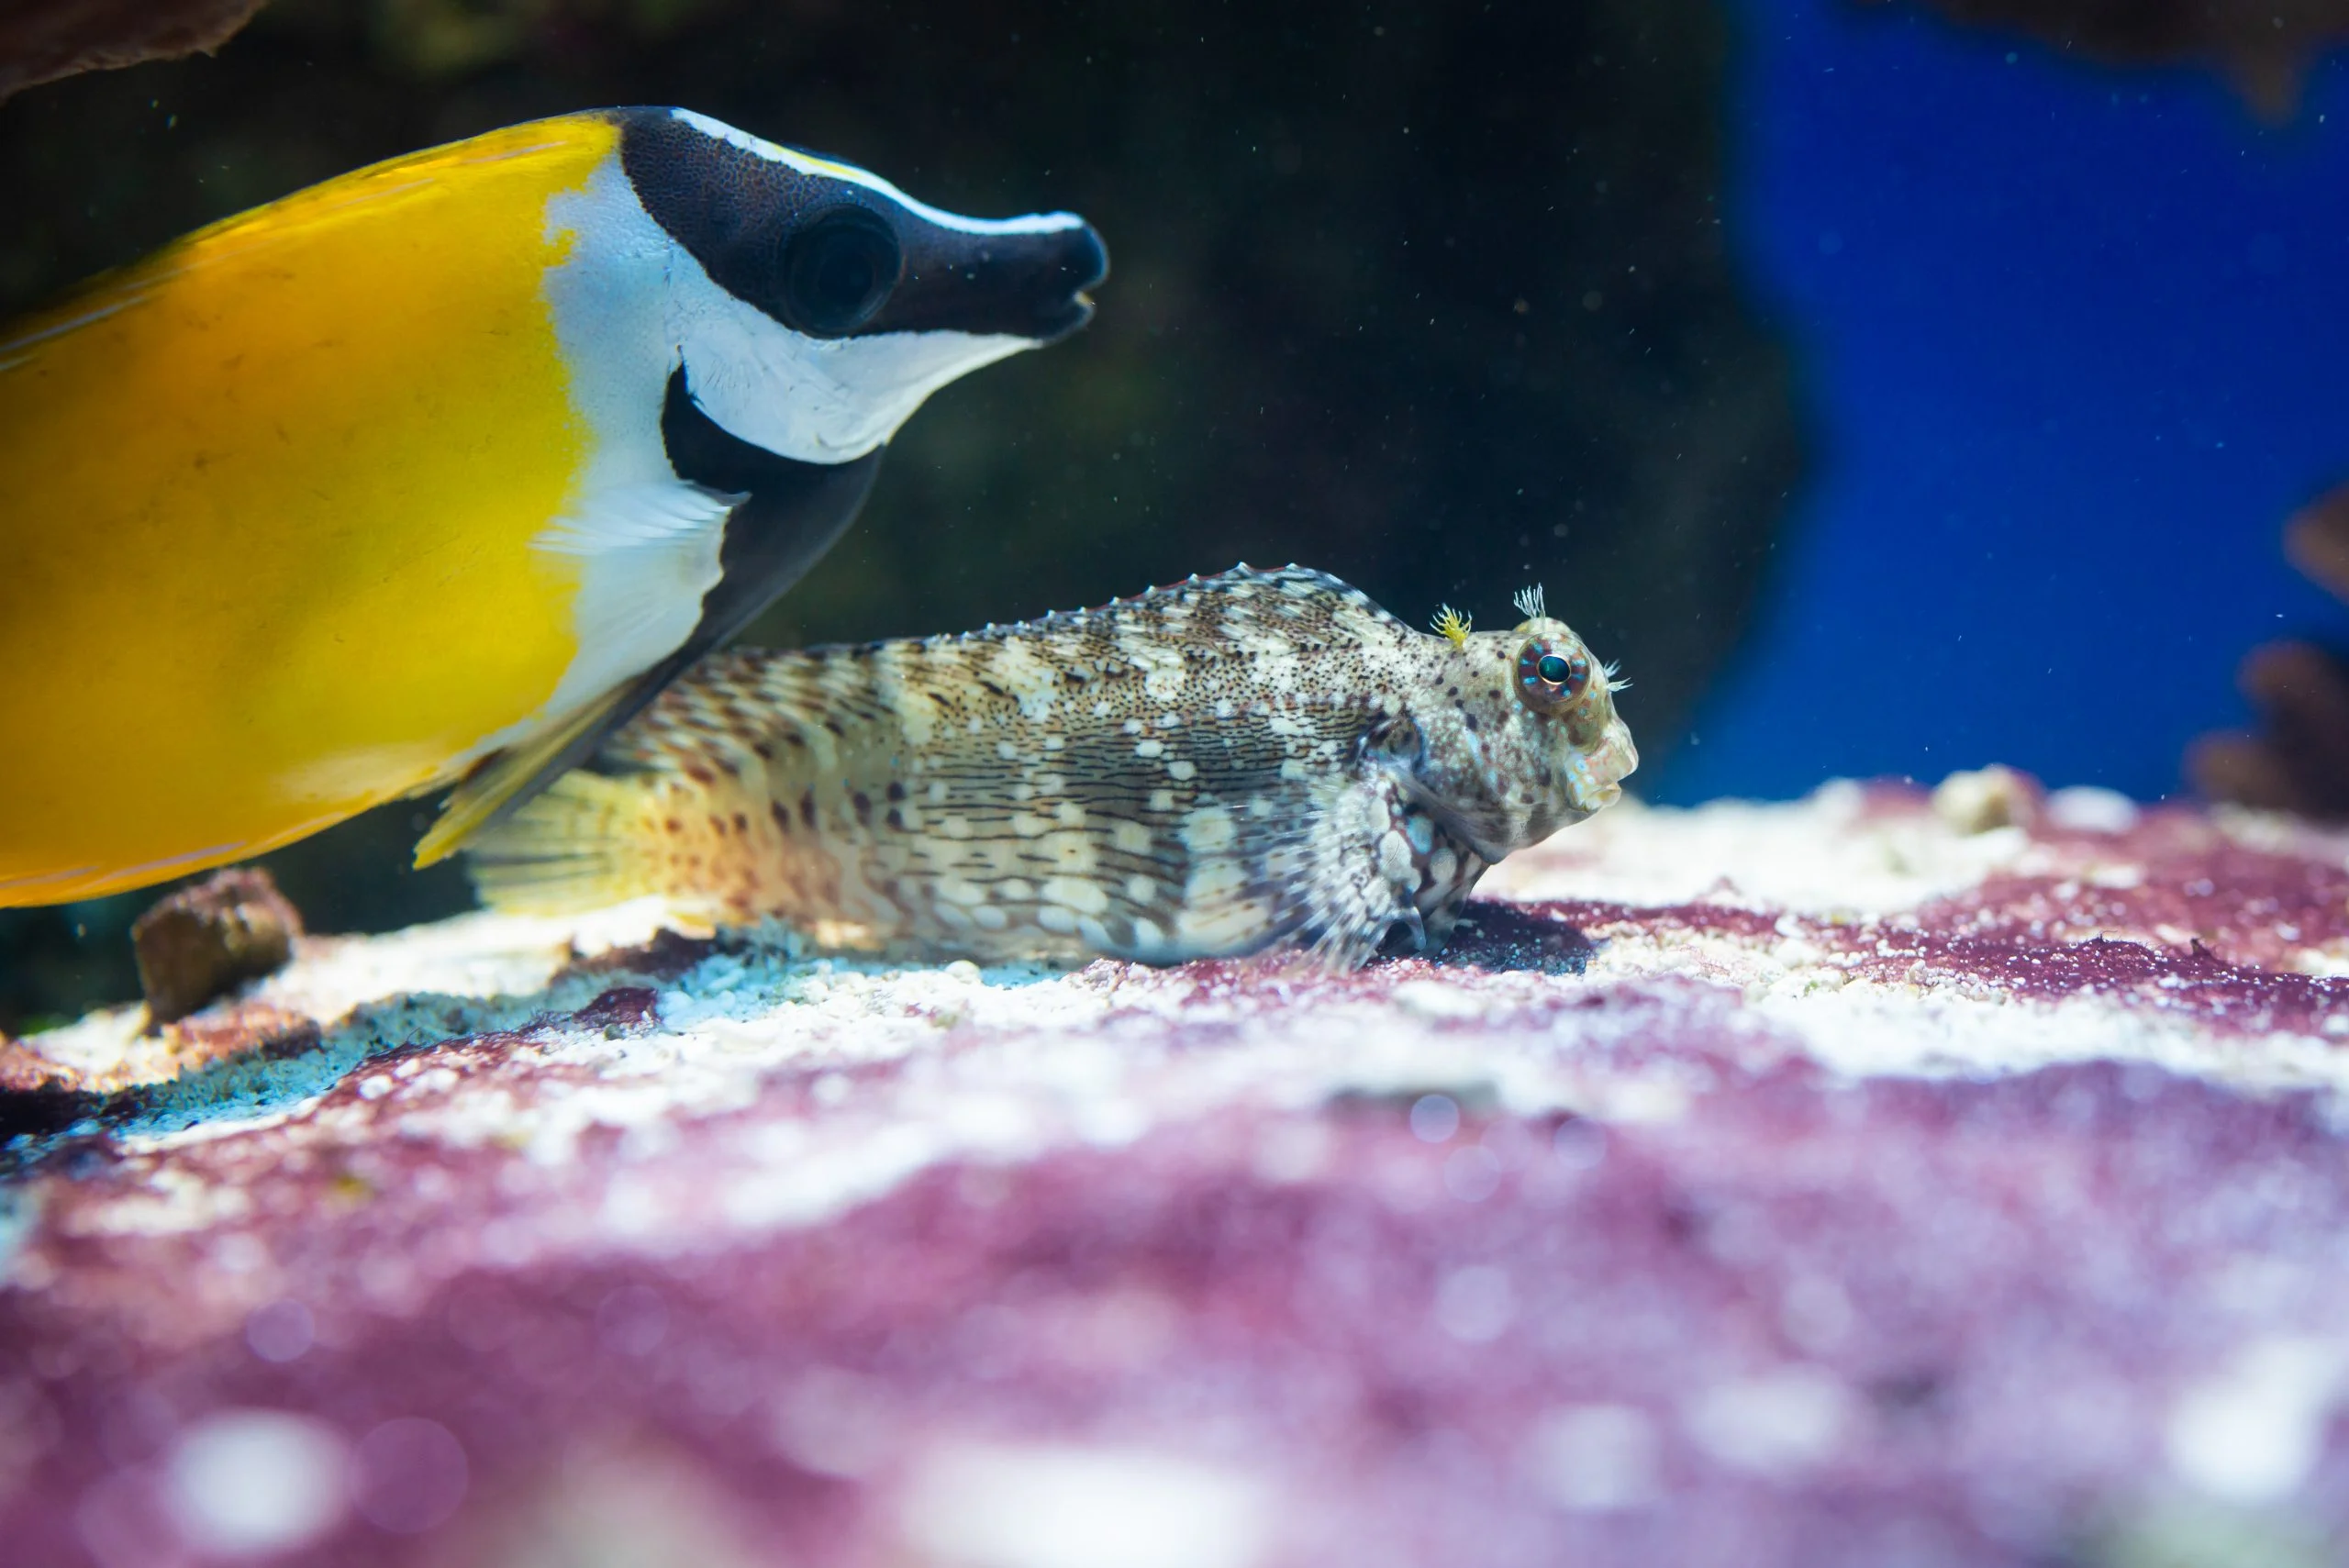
[[579, 844]]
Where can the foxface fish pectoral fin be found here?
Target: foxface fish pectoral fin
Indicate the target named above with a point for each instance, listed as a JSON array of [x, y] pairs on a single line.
[[506, 777]]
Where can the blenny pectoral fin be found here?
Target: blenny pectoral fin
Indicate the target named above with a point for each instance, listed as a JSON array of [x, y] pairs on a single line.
[[1362, 878]]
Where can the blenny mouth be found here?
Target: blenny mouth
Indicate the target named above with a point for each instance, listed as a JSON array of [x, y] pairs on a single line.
[[1594, 779]]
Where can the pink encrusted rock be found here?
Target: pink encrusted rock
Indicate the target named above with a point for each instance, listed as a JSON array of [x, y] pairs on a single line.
[[1807, 1184]]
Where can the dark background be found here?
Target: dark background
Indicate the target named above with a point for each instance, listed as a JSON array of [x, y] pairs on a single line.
[[1980, 364]]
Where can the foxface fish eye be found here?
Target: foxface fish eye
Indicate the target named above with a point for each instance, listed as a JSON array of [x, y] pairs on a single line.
[[837, 272], [1548, 680]]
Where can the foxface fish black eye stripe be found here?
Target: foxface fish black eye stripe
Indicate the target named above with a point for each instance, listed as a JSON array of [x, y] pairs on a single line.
[[780, 231]]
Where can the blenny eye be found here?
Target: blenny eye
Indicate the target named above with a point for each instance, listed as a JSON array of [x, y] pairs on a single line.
[[838, 269], [1547, 680]]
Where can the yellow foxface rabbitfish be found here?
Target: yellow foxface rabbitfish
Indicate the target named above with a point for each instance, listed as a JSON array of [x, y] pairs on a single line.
[[1238, 762], [439, 471]]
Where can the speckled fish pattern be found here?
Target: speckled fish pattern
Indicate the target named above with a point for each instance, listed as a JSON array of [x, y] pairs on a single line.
[[1251, 760]]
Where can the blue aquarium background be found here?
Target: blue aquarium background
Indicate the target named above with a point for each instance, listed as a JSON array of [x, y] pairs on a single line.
[[1891, 395], [2072, 342]]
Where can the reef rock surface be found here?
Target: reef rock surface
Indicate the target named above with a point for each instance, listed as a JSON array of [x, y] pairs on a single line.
[[1871, 1180]]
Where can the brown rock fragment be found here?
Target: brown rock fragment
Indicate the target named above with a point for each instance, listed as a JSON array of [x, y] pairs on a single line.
[[210, 938], [41, 41], [2299, 762], [2317, 541]]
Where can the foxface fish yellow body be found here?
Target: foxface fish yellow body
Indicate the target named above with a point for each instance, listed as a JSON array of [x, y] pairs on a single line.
[[437, 470], [1254, 759]]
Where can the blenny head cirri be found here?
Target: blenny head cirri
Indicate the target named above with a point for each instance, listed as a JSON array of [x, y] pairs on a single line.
[[1252, 761], [1511, 736]]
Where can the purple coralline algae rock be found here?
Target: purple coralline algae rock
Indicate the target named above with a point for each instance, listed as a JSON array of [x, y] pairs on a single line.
[[1840, 1182]]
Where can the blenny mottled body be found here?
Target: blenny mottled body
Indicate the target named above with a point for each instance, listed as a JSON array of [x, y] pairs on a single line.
[[1254, 759]]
